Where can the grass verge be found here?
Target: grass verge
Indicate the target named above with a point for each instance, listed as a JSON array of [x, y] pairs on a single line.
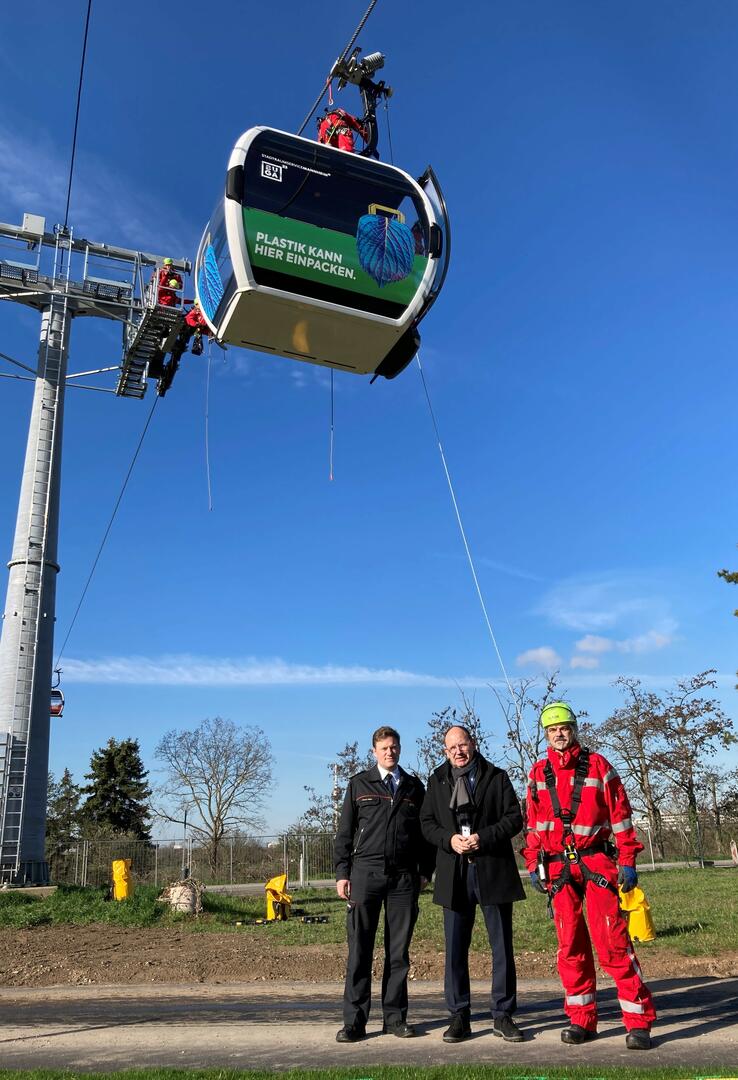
[[695, 911]]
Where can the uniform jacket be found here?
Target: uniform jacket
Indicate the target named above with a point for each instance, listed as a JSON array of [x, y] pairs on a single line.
[[378, 830], [604, 811], [496, 818]]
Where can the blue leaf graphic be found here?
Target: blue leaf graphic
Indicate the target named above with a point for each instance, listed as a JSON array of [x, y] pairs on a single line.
[[210, 283], [386, 248]]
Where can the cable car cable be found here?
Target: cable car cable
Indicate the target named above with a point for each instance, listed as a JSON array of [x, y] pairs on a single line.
[[76, 115], [343, 56], [467, 549], [107, 531]]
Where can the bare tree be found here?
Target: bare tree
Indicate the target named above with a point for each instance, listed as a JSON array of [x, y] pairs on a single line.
[[632, 737], [692, 729], [323, 807], [430, 746], [219, 772], [524, 739]]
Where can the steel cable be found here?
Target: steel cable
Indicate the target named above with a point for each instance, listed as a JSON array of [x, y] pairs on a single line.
[[76, 115], [343, 56]]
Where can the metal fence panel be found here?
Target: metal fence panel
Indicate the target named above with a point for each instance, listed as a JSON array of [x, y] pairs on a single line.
[[308, 858]]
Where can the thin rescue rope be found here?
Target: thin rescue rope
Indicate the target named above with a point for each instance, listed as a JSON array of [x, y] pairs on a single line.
[[76, 115], [389, 131], [207, 425], [469, 557], [107, 532], [330, 453], [343, 56]]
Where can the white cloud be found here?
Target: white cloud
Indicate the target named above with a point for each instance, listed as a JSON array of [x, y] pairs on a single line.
[[596, 603], [592, 643], [651, 641], [544, 656], [506, 568], [186, 670], [587, 662]]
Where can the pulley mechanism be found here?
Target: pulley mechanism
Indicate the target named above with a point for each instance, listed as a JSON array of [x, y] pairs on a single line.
[[358, 72]]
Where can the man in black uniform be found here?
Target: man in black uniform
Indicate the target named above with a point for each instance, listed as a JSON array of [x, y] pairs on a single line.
[[381, 858], [471, 814]]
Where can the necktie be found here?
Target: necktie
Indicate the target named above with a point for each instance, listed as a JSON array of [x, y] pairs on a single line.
[[389, 782]]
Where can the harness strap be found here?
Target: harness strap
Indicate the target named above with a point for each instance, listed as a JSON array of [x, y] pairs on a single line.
[[580, 775], [565, 878]]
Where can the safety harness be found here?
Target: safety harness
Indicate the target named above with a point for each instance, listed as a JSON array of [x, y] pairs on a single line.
[[571, 853]]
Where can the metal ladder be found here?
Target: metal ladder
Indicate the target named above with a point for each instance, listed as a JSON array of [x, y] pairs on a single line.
[[156, 330], [14, 745]]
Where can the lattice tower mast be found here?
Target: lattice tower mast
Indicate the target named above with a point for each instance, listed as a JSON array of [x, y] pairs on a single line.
[[96, 281]]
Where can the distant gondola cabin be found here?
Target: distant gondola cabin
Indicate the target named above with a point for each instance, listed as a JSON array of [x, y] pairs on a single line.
[[320, 255]]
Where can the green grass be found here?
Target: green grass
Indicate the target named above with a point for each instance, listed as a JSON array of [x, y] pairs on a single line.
[[695, 911], [390, 1072]]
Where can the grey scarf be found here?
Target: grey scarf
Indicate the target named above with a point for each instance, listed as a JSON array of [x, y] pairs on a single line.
[[462, 800]]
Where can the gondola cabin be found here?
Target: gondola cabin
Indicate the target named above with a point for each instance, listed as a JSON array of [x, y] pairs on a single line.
[[57, 702], [321, 255]]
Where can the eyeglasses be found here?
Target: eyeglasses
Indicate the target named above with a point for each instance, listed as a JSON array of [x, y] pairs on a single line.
[[458, 747]]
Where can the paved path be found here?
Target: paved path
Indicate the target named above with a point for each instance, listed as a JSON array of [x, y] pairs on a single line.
[[278, 1026]]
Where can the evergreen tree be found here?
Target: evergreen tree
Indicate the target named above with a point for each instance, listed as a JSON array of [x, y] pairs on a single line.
[[117, 797], [62, 817]]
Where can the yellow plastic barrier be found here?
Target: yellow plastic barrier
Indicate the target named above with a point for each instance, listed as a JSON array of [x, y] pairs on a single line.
[[277, 900], [638, 913], [122, 879]]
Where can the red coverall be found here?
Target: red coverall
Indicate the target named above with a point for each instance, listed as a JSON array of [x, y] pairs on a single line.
[[337, 129], [604, 812], [196, 319], [168, 281]]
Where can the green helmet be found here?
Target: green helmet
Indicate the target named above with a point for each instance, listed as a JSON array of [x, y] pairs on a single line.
[[167, 262], [558, 712]]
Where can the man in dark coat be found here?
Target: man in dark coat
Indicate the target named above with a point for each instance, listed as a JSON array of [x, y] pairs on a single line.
[[470, 814], [381, 858]]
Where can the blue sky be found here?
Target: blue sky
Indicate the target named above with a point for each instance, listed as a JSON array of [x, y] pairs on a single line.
[[581, 362]]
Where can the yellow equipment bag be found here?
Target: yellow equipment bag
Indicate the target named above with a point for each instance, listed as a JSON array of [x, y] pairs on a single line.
[[638, 913], [277, 900], [122, 879]]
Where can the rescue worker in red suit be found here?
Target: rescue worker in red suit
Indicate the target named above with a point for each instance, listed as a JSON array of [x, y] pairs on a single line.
[[198, 326], [576, 808], [168, 282], [337, 129]]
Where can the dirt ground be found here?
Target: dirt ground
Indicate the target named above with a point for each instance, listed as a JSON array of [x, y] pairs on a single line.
[[58, 955]]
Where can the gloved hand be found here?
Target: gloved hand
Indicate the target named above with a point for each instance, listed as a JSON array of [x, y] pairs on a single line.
[[537, 883], [627, 877]]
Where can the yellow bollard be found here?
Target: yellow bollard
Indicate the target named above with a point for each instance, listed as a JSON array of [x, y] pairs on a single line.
[[122, 879], [638, 913]]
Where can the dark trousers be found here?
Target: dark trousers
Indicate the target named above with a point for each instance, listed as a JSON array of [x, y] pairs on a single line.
[[458, 926], [370, 889]]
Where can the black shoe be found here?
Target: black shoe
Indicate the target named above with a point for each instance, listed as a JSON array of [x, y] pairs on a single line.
[[574, 1035], [638, 1039], [351, 1033], [458, 1030], [507, 1029], [402, 1030]]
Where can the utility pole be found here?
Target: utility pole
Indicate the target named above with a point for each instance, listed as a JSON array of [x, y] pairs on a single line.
[[91, 280]]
